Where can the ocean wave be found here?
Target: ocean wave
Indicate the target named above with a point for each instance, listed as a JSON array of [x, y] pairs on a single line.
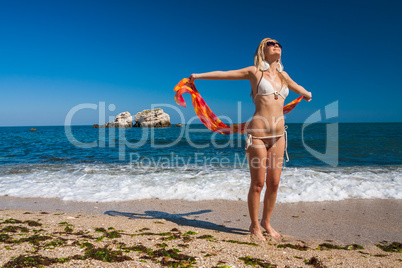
[[121, 182]]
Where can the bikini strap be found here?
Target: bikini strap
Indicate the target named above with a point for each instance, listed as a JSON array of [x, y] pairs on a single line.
[[262, 75], [286, 143]]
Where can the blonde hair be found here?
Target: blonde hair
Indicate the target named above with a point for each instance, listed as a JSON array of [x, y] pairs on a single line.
[[259, 58]]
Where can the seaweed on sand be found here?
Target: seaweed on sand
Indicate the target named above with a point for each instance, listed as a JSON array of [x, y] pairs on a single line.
[[298, 247], [331, 246], [32, 261], [393, 247], [255, 261]]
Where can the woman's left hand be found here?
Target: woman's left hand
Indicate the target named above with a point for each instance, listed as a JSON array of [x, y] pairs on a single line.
[[192, 78]]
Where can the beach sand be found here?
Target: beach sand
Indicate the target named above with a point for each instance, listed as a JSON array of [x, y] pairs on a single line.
[[157, 233]]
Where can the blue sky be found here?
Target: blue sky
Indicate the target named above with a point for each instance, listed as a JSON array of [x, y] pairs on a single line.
[[55, 55]]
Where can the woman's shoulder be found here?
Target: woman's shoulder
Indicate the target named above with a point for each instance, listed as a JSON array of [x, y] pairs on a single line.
[[252, 70], [285, 74]]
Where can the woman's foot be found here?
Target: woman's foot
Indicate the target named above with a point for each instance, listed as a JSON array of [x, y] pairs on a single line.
[[270, 230], [256, 232]]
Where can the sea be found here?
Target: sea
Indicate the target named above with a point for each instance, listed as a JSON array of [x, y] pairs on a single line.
[[80, 163]]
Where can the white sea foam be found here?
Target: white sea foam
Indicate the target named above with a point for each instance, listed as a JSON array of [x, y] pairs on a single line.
[[116, 182]]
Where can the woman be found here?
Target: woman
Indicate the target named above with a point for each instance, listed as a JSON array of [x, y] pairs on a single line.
[[265, 144]]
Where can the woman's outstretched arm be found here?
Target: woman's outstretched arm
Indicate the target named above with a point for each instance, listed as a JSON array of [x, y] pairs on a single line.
[[297, 88], [240, 74]]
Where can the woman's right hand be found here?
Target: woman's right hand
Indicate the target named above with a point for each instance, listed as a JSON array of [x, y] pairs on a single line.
[[308, 97], [192, 78]]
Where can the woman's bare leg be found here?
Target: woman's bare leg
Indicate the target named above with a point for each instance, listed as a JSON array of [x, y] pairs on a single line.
[[274, 168], [256, 155]]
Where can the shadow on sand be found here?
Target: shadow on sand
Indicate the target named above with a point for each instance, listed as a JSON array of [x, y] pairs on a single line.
[[180, 220]]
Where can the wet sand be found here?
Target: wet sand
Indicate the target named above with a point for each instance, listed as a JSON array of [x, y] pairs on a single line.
[[211, 225]]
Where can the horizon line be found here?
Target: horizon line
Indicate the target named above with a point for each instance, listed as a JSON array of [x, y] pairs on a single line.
[[173, 124]]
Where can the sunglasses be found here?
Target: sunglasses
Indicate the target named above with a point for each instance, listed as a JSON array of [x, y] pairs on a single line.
[[272, 43]]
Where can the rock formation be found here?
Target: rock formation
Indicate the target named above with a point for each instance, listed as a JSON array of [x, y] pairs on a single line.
[[152, 118], [122, 120]]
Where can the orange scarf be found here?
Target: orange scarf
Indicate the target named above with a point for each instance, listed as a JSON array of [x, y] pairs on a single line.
[[207, 117]]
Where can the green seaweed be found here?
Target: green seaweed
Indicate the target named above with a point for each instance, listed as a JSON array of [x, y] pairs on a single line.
[[12, 221], [14, 229], [187, 239], [393, 247], [139, 248], [179, 260], [171, 237], [39, 238], [5, 238], [255, 261], [146, 233], [33, 223], [316, 262], [34, 239], [31, 261], [163, 245], [67, 227], [55, 243], [63, 260], [100, 230], [298, 247], [170, 257], [242, 243], [191, 233], [112, 234], [209, 255], [164, 234], [380, 255], [100, 238], [207, 237], [331, 246], [84, 244], [106, 255]]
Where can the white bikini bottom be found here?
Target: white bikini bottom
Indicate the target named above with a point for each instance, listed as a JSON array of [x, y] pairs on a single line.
[[249, 141]]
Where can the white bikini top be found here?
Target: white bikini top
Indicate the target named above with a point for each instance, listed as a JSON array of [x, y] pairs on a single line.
[[266, 88]]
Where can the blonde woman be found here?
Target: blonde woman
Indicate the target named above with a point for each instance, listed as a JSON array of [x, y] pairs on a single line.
[[266, 138]]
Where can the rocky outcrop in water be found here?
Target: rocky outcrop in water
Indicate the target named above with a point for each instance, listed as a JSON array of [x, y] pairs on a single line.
[[152, 118], [124, 119]]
